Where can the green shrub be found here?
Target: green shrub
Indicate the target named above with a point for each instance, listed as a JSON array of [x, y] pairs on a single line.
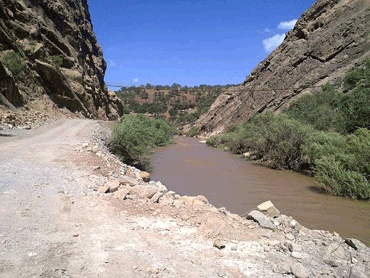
[[354, 110], [279, 140], [342, 163], [57, 60], [318, 109], [15, 63], [359, 77], [134, 137], [193, 131]]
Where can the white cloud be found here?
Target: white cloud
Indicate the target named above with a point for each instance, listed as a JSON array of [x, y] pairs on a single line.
[[112, 63], [267, 30], [136, 80], [271, 43], [287, 25]]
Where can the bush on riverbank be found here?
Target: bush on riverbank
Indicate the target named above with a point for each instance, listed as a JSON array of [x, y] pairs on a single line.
[[135, 136], [323, 133]]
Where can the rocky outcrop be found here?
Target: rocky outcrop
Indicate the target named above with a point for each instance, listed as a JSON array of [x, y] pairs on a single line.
[[330, 39], [60, 58]]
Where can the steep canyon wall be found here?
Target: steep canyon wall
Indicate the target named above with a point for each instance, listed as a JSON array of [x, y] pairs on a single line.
[[48, 50]]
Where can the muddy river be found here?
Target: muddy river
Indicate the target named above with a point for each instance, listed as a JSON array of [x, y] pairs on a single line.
[[191, 168]]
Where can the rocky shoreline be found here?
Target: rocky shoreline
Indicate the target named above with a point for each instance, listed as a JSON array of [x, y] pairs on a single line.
[[279, 245]]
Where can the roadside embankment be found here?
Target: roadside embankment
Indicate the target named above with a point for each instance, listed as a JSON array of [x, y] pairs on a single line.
[[273, 244]]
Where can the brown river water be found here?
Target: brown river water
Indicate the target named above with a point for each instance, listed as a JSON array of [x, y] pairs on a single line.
[[191, 168]]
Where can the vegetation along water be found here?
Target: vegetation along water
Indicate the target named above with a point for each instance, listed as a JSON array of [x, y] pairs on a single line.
[[325, 134], [135, 136]]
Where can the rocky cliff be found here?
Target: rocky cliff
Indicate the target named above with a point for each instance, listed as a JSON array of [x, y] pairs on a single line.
[[48, 51], [330, 39]]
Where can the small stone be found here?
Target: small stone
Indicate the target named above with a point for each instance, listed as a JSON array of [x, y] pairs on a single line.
[[331, 262], [274, 242], [293, 224], [337, 251], [76, 235], [153, 183], [290, 236], [145, 176], [234, 247], [297, 255], [103, 189], [126, 180], [114, 186], [188, 200], [161, 186], [294, 247], [217, 232], [156, 197], [299, 271], [284, 268], [355, 243], [218, 244], [121, 194], [262, 219], [268, 209]]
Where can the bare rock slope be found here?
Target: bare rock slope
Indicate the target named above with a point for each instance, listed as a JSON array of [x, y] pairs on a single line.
[[330, 39], [60, 60]]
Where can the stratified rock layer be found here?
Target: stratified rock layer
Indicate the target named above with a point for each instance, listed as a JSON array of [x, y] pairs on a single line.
[[60, 56], [330, 39]]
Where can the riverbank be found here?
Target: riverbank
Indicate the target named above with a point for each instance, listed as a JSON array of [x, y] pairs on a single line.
[[137, 228]]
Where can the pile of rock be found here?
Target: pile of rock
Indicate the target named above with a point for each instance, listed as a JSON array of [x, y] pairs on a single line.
[[21, 119]]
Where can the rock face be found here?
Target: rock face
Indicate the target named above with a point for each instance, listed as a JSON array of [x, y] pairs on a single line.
[[330, 39], [60, 57]]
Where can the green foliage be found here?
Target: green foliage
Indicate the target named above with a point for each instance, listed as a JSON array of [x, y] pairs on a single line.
[[324, 133], [182, 106], [278, 140], [134, 137], [57, 60], [354, 110], [319, 109], [15, 63], [359, 77], [342, 163], [193, 131]]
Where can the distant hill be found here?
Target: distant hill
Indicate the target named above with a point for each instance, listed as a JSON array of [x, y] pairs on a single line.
[[180, 104]]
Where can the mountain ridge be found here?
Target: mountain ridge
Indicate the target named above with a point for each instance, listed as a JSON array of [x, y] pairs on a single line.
[[330, 39]]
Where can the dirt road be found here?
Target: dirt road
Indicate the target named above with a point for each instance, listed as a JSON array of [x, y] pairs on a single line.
[[55, 224]]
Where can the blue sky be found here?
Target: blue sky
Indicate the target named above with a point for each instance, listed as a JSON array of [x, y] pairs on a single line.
[[189, 42]]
